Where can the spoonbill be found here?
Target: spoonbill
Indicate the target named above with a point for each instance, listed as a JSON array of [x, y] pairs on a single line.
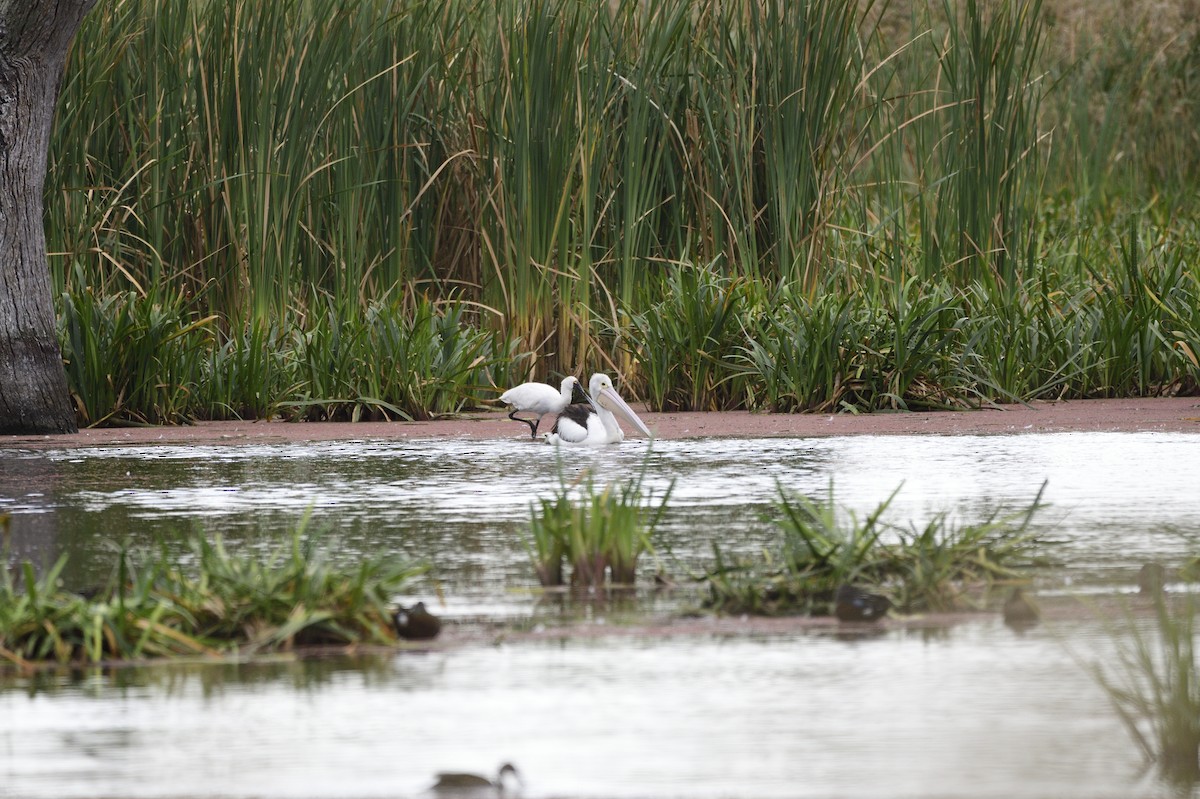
[[538, 398], [595, 422]]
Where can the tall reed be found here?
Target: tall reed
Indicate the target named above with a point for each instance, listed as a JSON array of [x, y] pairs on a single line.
[[560, 166]]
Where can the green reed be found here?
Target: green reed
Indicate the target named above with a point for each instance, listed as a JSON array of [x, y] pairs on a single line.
[[562, 167]]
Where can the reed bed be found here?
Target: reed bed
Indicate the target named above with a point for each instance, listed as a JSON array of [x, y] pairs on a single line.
[[940, 566], [227, 604], [741, 204]]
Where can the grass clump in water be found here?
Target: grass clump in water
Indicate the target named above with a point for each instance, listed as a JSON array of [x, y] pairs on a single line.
[[1155, 688], [601, 536], [937, 567], [228, 604]]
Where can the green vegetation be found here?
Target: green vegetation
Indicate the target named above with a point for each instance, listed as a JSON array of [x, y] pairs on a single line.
[[936, 567], [600, 536], [785, 206], [226, 603], [1155, 687]]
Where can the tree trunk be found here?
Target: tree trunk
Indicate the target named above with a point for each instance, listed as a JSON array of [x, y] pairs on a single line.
[[34, 38]]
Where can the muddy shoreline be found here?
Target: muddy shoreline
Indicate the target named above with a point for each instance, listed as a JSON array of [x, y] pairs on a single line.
[[1160, 414]]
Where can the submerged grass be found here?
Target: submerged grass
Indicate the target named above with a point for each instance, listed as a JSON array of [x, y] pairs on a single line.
[[226, 604], [939, 566]]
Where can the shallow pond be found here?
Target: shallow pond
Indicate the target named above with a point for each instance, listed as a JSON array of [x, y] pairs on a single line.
[[971, 710]]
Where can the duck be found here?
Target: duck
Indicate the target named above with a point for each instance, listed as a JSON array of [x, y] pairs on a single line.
[[540, 399], [417, 623], [595, 422], [1020, 611], [456, 784], [1151, 578], [851, 603]]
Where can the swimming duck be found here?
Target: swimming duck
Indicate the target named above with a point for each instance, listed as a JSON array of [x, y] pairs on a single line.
[[851, 603], [417, 623], [455, 784], [1151, 578], [1019, 610]]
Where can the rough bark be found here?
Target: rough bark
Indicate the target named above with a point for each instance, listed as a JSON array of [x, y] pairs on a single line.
[[34, 38]]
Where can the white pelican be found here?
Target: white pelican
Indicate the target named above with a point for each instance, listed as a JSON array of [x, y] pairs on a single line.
[[538, 398], [594, 422]]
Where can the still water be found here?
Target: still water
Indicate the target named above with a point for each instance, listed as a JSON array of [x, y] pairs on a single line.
[[972, 710]]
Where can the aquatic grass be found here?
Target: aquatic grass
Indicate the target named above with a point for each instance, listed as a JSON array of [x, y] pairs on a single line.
[[549, 526], [225, 604], [938, 566], [943, 565], [822, 550], [983, 165], [601, 534], [391, 361], [1154, 686], [806, 68], [911, 363]]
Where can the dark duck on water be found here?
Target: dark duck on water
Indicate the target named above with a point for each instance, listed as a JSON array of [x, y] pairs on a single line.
[[417, 623], [851, 603], [454, 784]]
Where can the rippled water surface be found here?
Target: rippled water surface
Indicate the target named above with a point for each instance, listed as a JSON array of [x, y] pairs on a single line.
[[973, 710]]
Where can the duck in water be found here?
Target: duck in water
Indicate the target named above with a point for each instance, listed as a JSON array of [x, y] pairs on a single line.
[[417, 623], [459, 785], [851, 603]]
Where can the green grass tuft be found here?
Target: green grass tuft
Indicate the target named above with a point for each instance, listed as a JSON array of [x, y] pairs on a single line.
[[938, 567], [226, 604], [600, 536]]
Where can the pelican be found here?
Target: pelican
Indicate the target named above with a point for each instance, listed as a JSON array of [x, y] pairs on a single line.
[[594, 422], [538, 398]]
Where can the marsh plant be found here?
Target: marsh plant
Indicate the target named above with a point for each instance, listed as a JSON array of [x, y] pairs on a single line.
[[941, 565], [1154, 686], [599, 532], [765, 205], [226, 604]]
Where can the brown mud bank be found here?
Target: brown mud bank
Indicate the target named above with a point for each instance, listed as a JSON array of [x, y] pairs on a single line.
[[1161, 414]]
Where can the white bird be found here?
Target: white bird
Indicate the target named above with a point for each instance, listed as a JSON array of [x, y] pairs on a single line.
[[594, 422], [538, 398]]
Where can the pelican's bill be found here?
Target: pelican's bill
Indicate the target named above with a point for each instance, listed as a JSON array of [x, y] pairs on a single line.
[[613, 402]]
